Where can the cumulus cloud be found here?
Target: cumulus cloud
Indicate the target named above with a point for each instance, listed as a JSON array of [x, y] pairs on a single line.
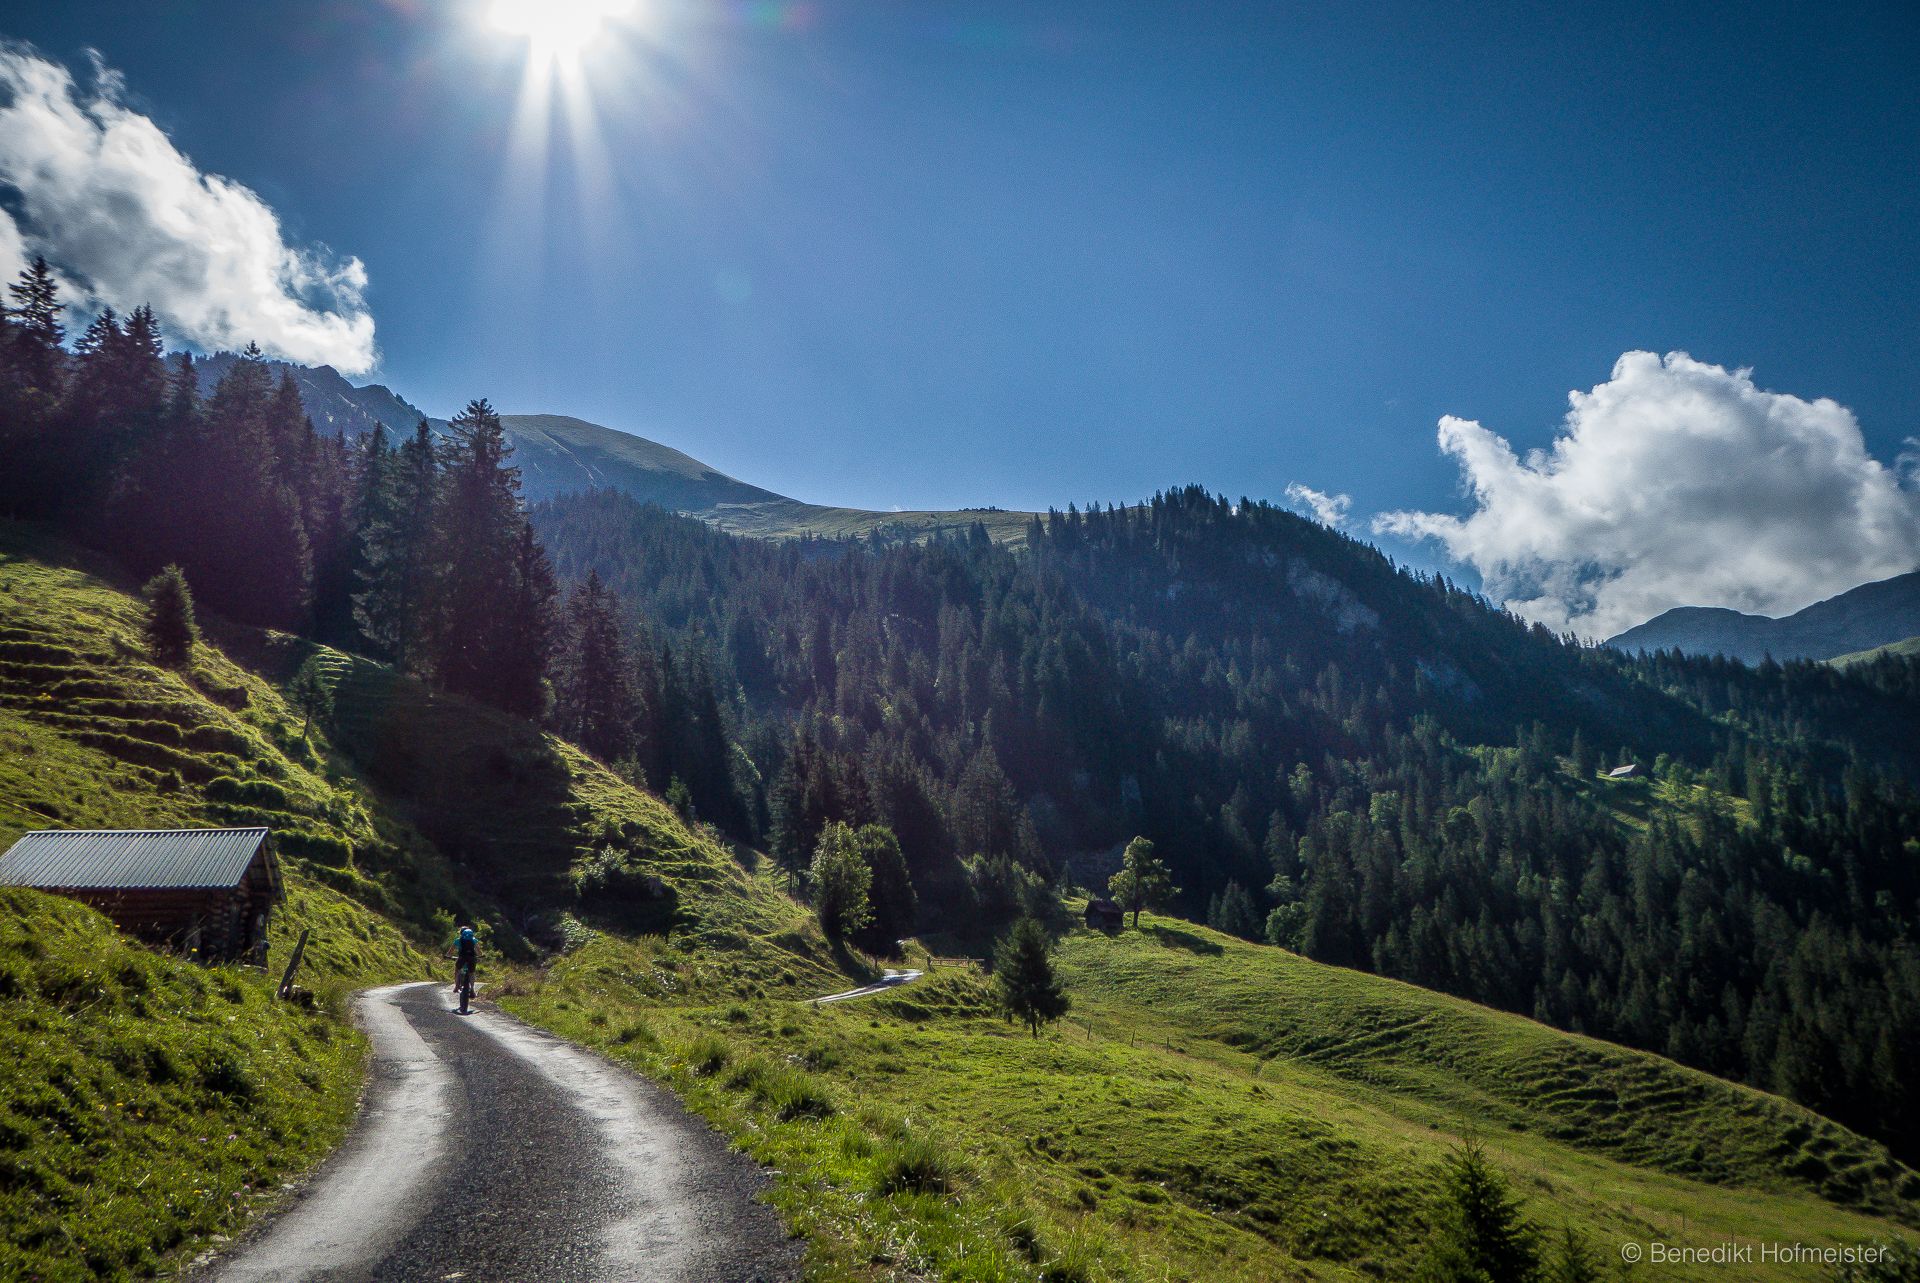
[[1674, 483], [1327, 509], [127, 219]]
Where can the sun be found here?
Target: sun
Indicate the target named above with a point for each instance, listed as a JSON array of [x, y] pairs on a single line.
[[557, 30]]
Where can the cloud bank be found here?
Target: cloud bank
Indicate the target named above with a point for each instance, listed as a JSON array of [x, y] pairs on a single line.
[[1674, 483], [127, 219]]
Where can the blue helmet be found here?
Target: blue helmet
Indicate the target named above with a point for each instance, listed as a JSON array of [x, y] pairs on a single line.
[[466, 933]]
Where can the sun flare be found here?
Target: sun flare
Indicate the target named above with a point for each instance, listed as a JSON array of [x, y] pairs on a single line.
[[558, 30]]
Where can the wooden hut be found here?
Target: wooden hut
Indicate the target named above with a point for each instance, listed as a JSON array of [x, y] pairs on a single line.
[[1105, 915], [204, 891]]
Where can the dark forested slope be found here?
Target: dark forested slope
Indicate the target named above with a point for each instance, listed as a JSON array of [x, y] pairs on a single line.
[[1375, 768]]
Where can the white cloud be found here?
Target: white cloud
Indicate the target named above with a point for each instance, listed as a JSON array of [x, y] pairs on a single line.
[[1327, 509], [1674, 483], [100, 191]]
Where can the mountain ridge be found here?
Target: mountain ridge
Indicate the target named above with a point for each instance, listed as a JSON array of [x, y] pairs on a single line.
[[560, 454], [1862, 618]]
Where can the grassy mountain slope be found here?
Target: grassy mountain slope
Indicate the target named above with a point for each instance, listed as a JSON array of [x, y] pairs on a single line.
[[1908, 646], [791, 519], [1212, 1110], [147, 1103]]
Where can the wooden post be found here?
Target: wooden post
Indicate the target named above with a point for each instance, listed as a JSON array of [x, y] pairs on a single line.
[[293, 963]]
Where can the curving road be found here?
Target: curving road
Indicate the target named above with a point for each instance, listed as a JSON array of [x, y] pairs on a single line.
[[891, 980], [486, 1150]]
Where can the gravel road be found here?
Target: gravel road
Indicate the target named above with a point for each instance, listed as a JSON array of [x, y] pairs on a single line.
[[487, 1150]]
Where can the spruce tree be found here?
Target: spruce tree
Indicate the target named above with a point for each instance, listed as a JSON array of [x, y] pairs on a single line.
[[171, 629], [34, 333], [1480, 1236], [394, 607], [476, 560], [595, 707], [1233, 912], [1024, 977]]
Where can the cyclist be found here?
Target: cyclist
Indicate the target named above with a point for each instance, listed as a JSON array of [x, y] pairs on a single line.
[[465, 955]]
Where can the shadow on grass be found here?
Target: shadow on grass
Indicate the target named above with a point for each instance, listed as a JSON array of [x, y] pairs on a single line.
[[1174, 938]]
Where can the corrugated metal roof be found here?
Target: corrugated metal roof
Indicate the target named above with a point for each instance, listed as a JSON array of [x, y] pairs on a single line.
[[58, 860]]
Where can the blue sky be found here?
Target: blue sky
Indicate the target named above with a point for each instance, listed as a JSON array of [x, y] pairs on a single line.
[[883, 253]]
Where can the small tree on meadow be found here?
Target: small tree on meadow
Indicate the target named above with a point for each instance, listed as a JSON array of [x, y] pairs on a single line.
[[1143, 881], [841, 882], [1480, 1236], [171, 628], [1576, 1262], [312, 694], [1024, 976]]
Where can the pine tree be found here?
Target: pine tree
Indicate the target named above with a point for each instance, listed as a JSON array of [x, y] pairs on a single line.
[[476, 555], [1575, 1262], [841, 882], [1481, 1236], [595, 705], [171, 628], [526, 642], [311, 693], [1142, 882], [1234, 912], [394, 607], [1024, 977], [34, 333]]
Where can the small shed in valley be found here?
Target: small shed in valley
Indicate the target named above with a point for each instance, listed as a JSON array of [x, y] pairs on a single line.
[[207, 891], [1105, 915]]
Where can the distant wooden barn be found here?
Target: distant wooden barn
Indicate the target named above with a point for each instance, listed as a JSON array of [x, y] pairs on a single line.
[[1105, 915], [206, 891]]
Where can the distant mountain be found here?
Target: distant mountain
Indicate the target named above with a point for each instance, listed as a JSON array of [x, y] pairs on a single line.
[[334, 404], [558, 454], [1861, 619]]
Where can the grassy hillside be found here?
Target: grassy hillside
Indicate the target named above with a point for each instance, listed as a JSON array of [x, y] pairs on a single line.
[[147, 1103], [791, 519], [1911, 646], [1213, 1110]]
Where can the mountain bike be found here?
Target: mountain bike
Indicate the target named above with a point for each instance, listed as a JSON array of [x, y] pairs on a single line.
[[463, 985]]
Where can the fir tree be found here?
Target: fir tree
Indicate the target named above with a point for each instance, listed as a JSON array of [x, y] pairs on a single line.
[[1234, 912], [312, 693], [1023, 976], [477, 558], [171, 628], [595, 706], [1480, 1236], [399, 509]]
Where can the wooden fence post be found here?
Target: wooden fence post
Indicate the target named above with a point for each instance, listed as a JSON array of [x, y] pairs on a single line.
[[293, 963]]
